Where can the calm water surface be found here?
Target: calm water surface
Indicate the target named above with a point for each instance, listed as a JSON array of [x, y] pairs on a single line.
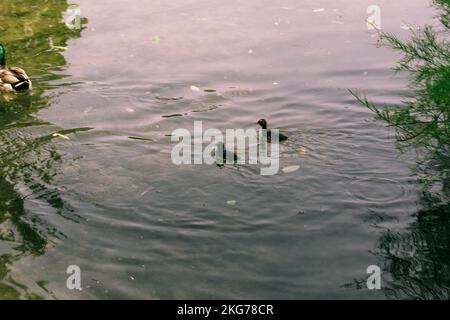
[[141, 227]]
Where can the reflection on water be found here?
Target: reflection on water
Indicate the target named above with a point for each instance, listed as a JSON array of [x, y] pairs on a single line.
[[139, 226], [28, 162], [418, 258]]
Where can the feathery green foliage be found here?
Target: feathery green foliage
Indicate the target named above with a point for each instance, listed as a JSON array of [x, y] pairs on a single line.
[[423, 120]]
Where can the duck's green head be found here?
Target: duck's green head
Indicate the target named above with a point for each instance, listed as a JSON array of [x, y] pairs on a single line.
[[2, 55]]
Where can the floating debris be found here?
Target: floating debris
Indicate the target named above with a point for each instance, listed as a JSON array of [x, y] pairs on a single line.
[[156, 40], [131, 110], [139, 138], [57, 134], [194, 88], [209, 90], [50, 42], [172, 115], [59, 48], [231, 202], [206, 108], [87, 110], [319, 10], [169, 98], [290, 169]]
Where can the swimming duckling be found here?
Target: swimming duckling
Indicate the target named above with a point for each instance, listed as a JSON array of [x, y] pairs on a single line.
[[12, 79], [263, 124], [222, 155]]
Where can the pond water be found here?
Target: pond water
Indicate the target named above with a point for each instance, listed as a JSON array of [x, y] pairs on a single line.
[[105, 195]]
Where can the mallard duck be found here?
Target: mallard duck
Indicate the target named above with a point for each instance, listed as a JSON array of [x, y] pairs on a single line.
[[12, 79], [263, 124]]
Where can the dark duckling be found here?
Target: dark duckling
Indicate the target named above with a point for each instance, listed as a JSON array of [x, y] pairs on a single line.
[[222, 155], [263, 124]]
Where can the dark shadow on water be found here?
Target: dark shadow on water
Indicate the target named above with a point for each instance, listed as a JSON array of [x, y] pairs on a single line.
[[34, 37], [419, 259]]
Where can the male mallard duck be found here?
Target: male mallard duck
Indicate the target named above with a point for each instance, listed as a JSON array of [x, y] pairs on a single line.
[[12, 79], [263, 124]]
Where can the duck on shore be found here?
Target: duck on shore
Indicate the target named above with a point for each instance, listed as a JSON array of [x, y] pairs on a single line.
[[264, 126], [12, 79]]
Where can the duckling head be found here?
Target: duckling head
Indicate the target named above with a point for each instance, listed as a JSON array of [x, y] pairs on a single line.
[[262, 123]]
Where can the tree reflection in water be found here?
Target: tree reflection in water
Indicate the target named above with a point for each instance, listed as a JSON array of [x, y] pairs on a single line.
[[33, 36], [418, 260]]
